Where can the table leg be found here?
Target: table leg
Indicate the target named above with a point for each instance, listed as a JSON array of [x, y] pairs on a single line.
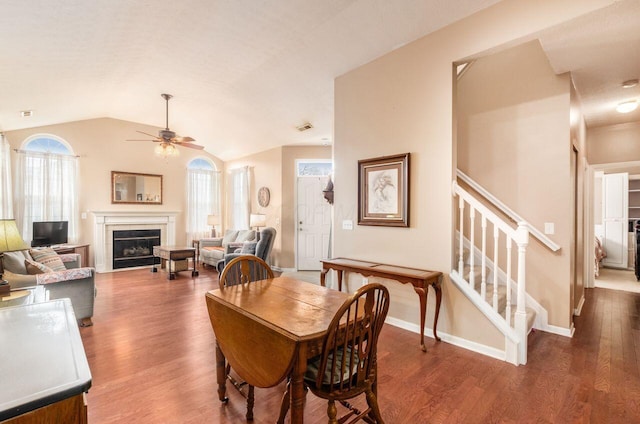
[[154, 268], [297, 386], [195, 272], [339, 271], [422, 294], [221, 374], [437, 287], [171, 275], [323, 275]]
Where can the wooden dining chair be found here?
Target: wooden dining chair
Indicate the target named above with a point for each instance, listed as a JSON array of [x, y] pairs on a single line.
[[347, 367], [243, 270]]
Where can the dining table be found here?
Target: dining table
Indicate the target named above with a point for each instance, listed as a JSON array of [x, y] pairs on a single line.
[[267, 330]]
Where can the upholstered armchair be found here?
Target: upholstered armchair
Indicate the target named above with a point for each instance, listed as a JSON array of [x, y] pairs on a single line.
[[261, 248], [73, 282]]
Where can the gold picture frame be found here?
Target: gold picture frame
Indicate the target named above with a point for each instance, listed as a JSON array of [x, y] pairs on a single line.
[[383, 191]]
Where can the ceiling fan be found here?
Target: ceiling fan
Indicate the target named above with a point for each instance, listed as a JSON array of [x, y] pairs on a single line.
[[168, 138]]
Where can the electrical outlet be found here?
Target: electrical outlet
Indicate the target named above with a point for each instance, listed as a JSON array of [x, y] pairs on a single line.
[[365, 281], [83, 215]]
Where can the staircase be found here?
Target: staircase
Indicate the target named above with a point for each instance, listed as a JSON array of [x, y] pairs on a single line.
[[492, 276]]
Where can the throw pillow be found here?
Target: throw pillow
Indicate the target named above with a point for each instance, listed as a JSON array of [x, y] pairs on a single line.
[[48, 257], [229, 236], [245, 235], [34, 267], [14, 261], [248, 248]]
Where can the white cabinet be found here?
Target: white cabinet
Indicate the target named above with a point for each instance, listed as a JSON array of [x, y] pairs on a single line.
[[615, 218]]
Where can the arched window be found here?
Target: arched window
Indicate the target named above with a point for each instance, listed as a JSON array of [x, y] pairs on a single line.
[[203, 194], [46, 184]]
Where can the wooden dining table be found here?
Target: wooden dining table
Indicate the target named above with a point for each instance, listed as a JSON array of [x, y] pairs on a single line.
[[267, 330]]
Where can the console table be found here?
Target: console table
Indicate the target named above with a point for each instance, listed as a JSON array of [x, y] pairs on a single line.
[[421, 279]]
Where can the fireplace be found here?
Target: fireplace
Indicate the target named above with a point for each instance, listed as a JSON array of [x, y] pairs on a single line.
[[133, 248], [106, 222]]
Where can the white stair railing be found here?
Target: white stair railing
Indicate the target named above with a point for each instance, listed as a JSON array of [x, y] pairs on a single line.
[[501, 231]]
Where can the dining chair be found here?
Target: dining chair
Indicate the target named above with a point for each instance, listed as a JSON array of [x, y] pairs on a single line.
[[347, 366], [243, 270]]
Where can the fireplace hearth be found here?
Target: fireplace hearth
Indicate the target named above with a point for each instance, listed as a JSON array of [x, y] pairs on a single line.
[[132, 248]]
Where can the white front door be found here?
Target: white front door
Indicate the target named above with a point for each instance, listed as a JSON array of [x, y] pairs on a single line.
[[615, 219], [313, 223]]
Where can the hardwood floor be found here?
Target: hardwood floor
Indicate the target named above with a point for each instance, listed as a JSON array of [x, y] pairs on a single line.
[[151, 353]]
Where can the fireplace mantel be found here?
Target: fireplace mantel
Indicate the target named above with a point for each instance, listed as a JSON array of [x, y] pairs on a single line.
[[105, 222]]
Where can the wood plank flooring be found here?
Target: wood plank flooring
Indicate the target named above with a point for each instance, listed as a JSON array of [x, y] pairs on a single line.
[[151, 353]]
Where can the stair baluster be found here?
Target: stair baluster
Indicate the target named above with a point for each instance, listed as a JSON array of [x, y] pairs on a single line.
[[472, 274], [507, 314]]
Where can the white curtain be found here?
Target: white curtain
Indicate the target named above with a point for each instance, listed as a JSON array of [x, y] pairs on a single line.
[[6, 201], [239, 202], [46, 190], [203, 194]]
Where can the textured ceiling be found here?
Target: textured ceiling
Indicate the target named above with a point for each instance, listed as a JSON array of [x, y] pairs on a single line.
[[243, 73], [602, 50]]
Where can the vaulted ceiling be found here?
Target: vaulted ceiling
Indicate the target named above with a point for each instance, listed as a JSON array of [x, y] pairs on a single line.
[[244, 74]]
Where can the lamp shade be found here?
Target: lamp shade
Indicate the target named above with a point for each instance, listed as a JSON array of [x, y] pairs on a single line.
[[257, 220], [10, 239], [213, 220]]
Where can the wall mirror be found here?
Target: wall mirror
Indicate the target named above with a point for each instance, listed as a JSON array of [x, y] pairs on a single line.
[[132, 188]]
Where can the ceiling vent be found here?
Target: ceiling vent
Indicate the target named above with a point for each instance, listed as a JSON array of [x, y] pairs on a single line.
[[304, 127]]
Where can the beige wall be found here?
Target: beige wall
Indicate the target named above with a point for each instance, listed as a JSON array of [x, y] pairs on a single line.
[[275, 169], [402, 102], [102, 149], [614, 143], [514, 140]]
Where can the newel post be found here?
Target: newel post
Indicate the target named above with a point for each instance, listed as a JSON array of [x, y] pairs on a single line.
[[520, 321]]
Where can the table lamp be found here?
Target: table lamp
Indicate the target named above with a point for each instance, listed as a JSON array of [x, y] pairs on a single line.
[[213, 220], [10, 241], [257, 220]]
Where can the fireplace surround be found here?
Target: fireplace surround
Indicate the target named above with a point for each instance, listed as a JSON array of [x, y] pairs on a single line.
[[105, 223]]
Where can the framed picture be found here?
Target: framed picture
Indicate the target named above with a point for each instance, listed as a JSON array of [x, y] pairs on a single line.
[[383, 191]]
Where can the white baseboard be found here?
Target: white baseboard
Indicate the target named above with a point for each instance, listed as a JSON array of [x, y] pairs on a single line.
[[578, 309], [448, 338], [277, 268], [561, 331]]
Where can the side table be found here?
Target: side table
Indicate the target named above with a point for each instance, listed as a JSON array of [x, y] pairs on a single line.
[[24, 296]]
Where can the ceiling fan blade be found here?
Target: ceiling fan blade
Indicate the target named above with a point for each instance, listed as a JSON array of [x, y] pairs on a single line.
[[137, 139], [186, 139], [192, 146], [150, 135]]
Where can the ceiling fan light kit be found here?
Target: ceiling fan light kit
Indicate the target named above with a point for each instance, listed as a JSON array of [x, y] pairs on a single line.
[[168, 139], [626, 107]]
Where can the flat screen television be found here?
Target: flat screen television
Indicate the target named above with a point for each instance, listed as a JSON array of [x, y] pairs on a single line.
[[48, 233]]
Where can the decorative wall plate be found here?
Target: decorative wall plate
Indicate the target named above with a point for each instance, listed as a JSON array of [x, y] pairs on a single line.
[[264, 196]]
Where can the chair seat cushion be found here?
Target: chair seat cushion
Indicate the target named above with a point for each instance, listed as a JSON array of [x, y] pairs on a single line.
[[314, 363], [212, 249]]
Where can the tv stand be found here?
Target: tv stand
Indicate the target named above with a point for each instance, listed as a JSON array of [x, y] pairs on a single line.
[[81, 249]]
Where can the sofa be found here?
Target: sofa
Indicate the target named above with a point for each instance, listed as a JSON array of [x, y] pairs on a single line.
[[74, 282], [212, 250], [261, 248]]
